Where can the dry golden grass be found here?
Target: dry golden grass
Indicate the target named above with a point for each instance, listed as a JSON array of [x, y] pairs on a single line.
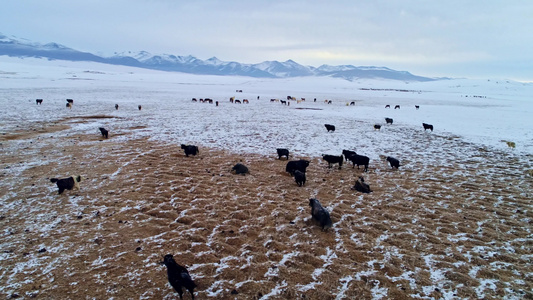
[[431, 230]]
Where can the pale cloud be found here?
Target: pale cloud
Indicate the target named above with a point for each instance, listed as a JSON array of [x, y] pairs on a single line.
[[447, 38]]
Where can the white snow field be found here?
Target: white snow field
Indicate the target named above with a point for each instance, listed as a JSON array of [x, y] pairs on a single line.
[[454, 222], [481, 111]]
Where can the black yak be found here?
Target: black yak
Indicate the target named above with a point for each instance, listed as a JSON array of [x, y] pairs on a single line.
[[300, 165], [104, 132], [388, 120], [240, 169], [299, 177], [347, 153], [387, 106], [394, 163], [320, 214], [417, 106], [178, 276], [377, 127], [427, 126], [39, 101], [332, 159], [67, 183], [397, 107], [283, 152], [190, 149], [359, 160], [330, 127], [361, 186], [116, 106]]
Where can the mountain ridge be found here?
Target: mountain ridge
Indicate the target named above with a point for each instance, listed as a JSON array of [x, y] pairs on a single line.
[[17, 47]]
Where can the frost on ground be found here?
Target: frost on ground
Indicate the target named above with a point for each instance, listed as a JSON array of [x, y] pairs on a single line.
[[453, 222]]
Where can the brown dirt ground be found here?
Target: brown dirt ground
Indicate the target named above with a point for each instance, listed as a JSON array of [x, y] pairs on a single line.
[[425, 226]]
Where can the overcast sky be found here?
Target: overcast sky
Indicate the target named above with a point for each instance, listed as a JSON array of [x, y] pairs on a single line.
[[454, 38]]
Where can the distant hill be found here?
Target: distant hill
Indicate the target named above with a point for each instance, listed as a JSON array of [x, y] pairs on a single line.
[[16, 47]]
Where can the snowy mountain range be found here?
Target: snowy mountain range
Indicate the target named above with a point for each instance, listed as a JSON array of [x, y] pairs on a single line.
[[17, 47]]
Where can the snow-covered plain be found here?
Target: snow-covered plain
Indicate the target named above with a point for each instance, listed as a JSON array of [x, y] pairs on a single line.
[[481, 111], [472, 115]]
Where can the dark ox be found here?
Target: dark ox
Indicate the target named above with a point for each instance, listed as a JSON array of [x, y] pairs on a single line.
[[240, 169], [330, 127], [361, 186], [394, 163], [39, 101], [377, 127], [299, 177], [332, 159], [283, 152], [300, 165], [190, 149], [104, 132], [359, 160], [347, 153], [178, 276], [427, 126], [67, 183], [320, 214], [388, 120]]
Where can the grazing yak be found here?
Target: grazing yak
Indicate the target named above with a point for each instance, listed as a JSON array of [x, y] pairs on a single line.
[[104, 132], [69, 105], [116, 106], [394, 163], [377, 127], [67, 183], [417, 106], [397, 107], [332, 159], [347, 153], [359, 160], [427, 126], [283, 152], [388, 120], [240, 169], [178, 276], [190, 149], [70, 101], [387, 106], [330, 127], [320, 214], [300, 165], [361, 186], [39, 101], [140, 107], [299, 177]]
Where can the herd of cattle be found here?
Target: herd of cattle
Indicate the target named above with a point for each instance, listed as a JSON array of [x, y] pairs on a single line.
[[178, 276], [296, 168]]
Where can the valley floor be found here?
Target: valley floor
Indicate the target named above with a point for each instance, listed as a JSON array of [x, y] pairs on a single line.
[[457, 225]]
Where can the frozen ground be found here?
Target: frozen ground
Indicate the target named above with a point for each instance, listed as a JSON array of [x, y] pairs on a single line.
[[453, 222]]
